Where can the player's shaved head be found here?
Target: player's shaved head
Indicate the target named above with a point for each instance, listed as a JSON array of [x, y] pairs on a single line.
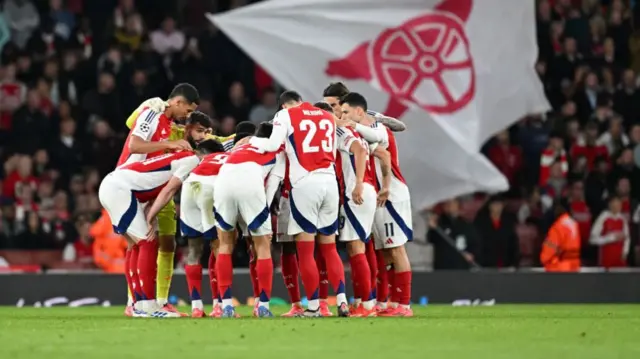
[[290, 99], [209, 146], [264, 130], [323, 106]]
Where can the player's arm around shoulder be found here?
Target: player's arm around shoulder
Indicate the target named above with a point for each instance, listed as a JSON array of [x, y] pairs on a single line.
[[392, 123], [281, 125]]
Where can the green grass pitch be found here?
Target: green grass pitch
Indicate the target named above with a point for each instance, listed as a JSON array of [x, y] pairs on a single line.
[[499, 332]]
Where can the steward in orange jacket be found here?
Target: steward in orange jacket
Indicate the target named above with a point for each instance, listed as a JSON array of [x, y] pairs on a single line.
[[561, 249], [108, 248]]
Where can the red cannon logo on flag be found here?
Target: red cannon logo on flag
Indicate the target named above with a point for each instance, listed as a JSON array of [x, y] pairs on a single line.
[[426, 61]]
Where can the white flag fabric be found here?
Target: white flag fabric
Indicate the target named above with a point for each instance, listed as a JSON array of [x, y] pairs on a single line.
[[455, 71]]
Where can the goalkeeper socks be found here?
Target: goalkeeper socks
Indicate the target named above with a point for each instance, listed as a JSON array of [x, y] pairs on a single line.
[[290, 273], [264, 269], [224, 271], [147, 268], [335, 270], [324, 279], [165, 273], [402, 282], [213, 280], [194, 283], [309, 273]]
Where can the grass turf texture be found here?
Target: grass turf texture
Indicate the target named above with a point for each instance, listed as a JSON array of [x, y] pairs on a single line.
[[503, 331]]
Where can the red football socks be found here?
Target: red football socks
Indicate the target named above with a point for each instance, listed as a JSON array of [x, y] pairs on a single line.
[[308, 269], [264, 269], [361, 276], [393, 293], [194, 280], [402, 282], [213, 280], [290, 276], [335, 268], [147, 268], [224, 272], [382, 282], [372, 260], [254, 278], [322, 271], [127, 274]]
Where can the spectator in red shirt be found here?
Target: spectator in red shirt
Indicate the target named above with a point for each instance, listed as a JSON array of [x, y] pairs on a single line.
[[20, 169], [553, 153], [610, 233], [506, 157], [588, 146], [81, 250], [579, 210]]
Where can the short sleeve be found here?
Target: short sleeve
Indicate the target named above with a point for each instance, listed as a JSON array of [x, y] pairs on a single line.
[[146, 124], [184, 166]]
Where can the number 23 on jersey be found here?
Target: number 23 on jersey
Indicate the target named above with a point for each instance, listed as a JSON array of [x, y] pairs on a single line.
[[318, 135]]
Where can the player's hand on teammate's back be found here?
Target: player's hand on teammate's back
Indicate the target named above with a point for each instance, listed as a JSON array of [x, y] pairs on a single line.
[[179, 145], [383, 195], [356, 195]]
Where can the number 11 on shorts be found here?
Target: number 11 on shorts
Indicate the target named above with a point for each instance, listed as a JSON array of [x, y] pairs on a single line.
[[389, 230]]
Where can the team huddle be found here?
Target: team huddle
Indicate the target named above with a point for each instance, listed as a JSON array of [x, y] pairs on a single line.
[[328, 170]]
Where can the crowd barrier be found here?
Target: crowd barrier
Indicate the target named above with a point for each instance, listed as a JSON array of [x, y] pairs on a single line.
[[449, 287]]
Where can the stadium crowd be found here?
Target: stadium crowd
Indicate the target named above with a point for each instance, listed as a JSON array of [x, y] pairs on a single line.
[[72, 71]]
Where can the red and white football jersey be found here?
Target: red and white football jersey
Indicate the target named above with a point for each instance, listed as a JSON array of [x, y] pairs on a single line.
[[398, 191], [346, 161], [208, 169], [151, 126], [147, 178], [269, 161], [309, 135]]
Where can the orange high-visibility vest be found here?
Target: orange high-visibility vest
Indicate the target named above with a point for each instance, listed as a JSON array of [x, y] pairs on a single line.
[[108, 247], [561, 248]]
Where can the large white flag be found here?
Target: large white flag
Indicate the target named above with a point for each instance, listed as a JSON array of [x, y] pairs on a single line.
[[455, 71]]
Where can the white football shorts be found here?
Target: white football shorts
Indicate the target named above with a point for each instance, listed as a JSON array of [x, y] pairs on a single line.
[[356, 221], [196, 211], [239, 193], [126, 212], [284, 211], [393, 226], [314, 204]]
